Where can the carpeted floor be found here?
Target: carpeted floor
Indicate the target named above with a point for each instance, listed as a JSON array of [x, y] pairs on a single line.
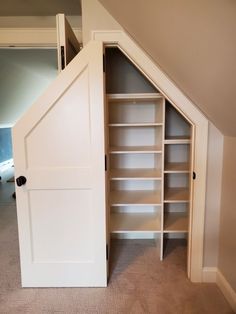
[[139, 283]]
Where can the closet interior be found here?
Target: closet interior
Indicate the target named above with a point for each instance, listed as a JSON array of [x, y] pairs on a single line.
[[148, 152]]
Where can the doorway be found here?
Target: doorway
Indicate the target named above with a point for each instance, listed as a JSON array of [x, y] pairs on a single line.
[[148, 150], [25, 74]]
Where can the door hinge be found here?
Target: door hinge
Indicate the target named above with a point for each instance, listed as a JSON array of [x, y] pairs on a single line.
[[62, 57], [107, 252], [194, 175], [104, 63], [105, 162]]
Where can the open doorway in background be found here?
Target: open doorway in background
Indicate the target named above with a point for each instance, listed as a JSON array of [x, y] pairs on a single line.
[[25, 74]]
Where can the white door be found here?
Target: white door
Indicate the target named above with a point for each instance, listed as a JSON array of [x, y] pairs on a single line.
[[59, 150], [67, 44]]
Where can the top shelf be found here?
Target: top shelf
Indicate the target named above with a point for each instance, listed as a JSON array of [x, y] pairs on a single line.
[[134, 97]]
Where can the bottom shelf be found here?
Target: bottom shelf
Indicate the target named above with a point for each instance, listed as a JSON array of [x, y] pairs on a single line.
[[135, 222]]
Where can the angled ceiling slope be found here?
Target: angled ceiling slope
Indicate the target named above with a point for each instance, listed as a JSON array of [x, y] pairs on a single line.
[[195, 45]]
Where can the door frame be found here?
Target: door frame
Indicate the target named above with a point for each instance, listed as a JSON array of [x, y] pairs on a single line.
[[200, 138]]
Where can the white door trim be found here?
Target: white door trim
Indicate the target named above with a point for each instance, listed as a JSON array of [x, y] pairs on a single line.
[[197, 119]]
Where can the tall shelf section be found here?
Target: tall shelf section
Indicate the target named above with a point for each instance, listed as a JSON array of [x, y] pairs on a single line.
[[177, 168], [148, 147], [136, 137]]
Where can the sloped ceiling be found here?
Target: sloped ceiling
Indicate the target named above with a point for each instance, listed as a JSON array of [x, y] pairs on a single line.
[[194, 42]]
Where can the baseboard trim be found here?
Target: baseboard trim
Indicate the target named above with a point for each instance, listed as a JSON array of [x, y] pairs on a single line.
[[213, 274], [209, 274], [226, 289]]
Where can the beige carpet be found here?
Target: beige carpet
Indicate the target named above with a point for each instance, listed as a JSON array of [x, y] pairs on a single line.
[[139, 282]]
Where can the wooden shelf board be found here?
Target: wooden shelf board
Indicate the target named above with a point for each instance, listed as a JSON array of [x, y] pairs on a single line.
[[123, 198], [147, 124], [175, 167], [177, 140], [135, 174], [176, 222], [135, 149], [174, 195], [134, 97], [135, 222]]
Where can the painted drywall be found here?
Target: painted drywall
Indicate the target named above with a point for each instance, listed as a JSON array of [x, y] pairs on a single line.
[[227, 242], [37, 21], [40, 8], [24, 75], [5, 144], [213, 196], [95, 16], [194, 43]]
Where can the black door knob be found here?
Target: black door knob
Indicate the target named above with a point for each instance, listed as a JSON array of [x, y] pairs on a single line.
[[21, 180]]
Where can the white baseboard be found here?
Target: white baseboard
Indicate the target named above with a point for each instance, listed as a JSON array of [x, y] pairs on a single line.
[[209, 274], [212, 274], [226, 289]]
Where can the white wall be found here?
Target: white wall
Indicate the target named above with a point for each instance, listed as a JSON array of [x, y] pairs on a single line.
[[227, 251], [24, 75], [213, 196]]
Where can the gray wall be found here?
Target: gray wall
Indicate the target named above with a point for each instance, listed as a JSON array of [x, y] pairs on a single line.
[[24, 75], [5, 144]]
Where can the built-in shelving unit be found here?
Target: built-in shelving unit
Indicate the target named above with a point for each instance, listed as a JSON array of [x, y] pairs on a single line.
[[149, 164]]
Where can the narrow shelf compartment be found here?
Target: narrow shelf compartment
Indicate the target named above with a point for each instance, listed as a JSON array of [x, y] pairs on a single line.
[[175, 195], [135, 174], [176, 167], [176, 222], [141, 198], [135, 149], [135, 222]]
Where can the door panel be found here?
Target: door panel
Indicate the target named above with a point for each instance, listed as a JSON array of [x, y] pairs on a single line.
[[67, 44], [55, 224], [59, 148]]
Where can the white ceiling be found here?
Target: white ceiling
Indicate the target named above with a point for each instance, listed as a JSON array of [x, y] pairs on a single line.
[[40, 8]]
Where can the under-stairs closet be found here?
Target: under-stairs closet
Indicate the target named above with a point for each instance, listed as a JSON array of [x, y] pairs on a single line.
[[148, 156]]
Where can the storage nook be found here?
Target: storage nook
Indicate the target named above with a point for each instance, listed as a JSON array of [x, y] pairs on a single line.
[[148, 145]]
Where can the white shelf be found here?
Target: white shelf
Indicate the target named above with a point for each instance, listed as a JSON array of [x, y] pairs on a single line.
[[134, 97], [140, 198], [177, 140], [135, 222], [147, 124], [135, 149], [176, 167], [175, 222], [135, 174], [176, 195]]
